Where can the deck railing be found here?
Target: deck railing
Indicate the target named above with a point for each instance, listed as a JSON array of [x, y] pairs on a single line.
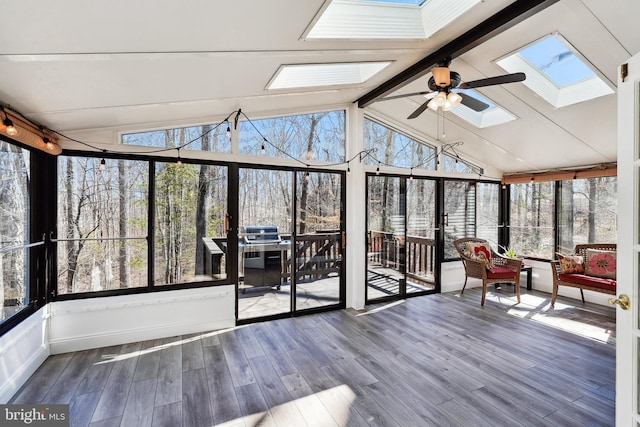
[[385, 250]]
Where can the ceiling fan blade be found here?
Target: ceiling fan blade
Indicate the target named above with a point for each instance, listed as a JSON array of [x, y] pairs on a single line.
[[497, 80], [473, 103], [405, 95], [420, 110]]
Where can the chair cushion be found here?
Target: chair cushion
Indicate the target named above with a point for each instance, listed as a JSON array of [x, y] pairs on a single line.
[[501, 273], [583, 279], [480, 251], [570, 263], [601, 263]]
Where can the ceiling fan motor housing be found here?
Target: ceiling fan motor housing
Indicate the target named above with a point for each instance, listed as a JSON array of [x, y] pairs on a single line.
[[454, 80]]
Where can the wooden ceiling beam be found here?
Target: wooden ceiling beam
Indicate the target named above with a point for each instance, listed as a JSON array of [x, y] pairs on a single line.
[[511, 15], [561, 175]]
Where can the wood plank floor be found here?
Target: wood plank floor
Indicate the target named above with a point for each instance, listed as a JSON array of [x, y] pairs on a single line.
[[438, 360]]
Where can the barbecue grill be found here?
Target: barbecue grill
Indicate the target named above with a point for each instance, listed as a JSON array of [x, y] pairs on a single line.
[[262, 249]]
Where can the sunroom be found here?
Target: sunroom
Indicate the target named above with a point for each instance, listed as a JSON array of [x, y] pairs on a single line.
[[172, 169]]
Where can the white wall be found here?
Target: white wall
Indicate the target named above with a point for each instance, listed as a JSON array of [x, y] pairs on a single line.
[[22, 350], [76, 325], [99, 322]]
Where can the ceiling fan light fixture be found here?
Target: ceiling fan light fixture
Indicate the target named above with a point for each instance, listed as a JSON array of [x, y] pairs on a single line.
[[441, 76], [438, 101], [453, 99]]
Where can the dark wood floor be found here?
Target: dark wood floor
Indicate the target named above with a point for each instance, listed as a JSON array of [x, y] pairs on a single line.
[[438, 360]]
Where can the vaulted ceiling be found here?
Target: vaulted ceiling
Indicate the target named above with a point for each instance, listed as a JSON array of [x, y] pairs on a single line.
[[99, 68]]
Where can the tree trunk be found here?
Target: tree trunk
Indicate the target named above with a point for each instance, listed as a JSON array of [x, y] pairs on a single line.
[[123, 220], [204, 188], [72, 251], [304, 192], [593, 194]]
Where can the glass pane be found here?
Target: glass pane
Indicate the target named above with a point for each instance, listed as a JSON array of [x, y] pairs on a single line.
[[191, 205], [421, 235], [531, 232], [386, 235], [395, 149], [102, 224], [265, 204], [317, 137], [460, 214], [452, 164], [204, 138], [14, 229], [587, 212], [487, 212], [318, 240]]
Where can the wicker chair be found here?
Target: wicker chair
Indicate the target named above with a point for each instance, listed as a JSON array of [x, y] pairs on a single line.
[[507, 270]]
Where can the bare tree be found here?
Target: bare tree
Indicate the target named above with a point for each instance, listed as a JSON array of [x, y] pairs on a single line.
[[204, 189]]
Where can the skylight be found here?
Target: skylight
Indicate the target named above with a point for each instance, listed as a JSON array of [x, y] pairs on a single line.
[[494, 115], [407, 2], [386, 19], [556, 71], [314, 75]]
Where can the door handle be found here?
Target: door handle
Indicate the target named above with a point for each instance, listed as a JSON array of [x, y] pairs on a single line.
[[623, 301]]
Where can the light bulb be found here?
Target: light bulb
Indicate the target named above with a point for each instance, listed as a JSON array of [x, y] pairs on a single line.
[[47, 141], [103, 165], [179, 162], [307, 177], [348, 170], [263, 150], [228, 131], [11, 129]]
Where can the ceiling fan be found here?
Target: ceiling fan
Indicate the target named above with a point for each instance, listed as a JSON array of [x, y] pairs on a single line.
[[441, 85]]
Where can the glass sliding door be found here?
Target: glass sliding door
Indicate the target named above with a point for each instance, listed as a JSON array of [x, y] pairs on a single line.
[[265, 206], [290, 242], [386, 236], [318, 240], [402, 235], [422, 233]]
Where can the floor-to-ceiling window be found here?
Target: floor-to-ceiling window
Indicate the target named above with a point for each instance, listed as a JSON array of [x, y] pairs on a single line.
[[15, 215]]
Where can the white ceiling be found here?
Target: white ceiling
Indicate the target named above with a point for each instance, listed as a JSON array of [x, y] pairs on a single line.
[[97, 68]]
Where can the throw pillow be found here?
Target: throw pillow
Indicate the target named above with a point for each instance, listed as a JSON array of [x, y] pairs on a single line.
[[480, 252], [570, 264], [601, 263]]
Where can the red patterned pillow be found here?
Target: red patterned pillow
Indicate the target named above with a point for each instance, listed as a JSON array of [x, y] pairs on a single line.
[[480, 252], [601, 264], [570, 264]]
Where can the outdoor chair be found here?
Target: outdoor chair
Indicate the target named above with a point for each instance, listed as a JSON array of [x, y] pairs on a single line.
[[479, 260]]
